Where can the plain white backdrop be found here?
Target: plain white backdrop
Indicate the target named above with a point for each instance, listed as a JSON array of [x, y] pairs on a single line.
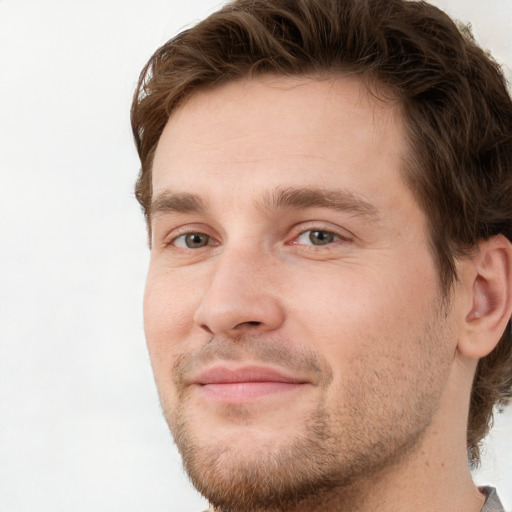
[[80, 425]]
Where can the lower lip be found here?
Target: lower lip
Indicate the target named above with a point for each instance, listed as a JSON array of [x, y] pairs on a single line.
[[244, 391]]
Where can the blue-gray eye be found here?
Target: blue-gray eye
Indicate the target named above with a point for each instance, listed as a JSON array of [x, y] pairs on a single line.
[[192, 241], [317, 237]]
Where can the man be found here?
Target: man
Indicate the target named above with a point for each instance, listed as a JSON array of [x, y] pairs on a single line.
[[327, 187]]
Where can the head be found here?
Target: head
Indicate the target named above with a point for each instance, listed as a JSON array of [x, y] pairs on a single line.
[[456, 129]]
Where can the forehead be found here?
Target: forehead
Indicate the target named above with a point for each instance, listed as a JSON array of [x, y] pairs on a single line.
[[276, 131]]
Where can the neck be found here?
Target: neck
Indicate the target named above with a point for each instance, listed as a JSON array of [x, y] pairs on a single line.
[[428, 479]]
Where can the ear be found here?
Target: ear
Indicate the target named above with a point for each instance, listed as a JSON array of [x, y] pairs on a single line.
[[488, 275]]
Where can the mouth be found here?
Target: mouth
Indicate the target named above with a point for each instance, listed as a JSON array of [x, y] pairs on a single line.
[[227, 385]]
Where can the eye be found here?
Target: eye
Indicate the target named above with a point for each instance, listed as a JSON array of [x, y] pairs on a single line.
[[317, 237], [192, 241]]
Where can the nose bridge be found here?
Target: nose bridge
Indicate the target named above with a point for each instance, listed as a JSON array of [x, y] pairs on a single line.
[[240, 295]]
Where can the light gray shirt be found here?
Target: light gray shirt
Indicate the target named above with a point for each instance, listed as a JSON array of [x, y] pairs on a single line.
[[492, 503]]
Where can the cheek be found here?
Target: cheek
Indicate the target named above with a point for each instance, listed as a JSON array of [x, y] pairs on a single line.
[[388, 349], [345, 309], [168, 313]]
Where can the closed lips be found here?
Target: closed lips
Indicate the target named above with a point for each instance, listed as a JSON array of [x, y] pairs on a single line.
[[223, 375], [244, 384]]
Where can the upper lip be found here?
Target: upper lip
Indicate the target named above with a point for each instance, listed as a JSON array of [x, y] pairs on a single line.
[[225, 375]]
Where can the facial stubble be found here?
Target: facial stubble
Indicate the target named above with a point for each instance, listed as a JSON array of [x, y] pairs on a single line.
[[333, 449]]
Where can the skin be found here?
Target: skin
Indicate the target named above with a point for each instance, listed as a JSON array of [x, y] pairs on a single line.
[[333, 286]]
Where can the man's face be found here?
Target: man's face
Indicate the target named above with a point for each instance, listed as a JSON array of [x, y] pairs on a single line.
[[292, 309]]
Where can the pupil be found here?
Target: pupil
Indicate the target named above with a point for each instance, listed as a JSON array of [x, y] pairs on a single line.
[[321, 237]]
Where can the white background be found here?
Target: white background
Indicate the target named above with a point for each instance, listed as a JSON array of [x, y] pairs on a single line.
[[80, 427]]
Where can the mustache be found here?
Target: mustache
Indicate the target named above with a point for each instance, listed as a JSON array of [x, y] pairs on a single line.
[[275, 352]]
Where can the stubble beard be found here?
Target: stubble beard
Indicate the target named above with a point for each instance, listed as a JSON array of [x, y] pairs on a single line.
[[265, 480], [332, 457]]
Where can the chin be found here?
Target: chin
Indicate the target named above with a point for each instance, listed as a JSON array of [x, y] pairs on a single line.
[[250, 469]]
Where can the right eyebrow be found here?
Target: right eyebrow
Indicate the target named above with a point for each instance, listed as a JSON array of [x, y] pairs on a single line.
[[171, 202]]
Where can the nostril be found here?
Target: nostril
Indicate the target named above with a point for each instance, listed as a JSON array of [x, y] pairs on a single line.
[[251, 323], [206, 328]]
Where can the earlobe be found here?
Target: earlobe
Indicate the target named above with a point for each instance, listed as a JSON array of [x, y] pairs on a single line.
[[491, 297]]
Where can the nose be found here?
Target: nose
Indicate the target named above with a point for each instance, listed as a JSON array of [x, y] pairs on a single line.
[[241, 296]]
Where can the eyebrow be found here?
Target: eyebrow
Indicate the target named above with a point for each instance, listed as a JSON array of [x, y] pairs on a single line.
[[300, 198], [171, 202], [288, 198]]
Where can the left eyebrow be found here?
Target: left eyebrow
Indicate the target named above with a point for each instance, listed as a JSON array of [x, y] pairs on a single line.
[[300, 198]]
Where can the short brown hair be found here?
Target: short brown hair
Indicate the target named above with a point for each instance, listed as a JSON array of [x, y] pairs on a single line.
[[457, 111]]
